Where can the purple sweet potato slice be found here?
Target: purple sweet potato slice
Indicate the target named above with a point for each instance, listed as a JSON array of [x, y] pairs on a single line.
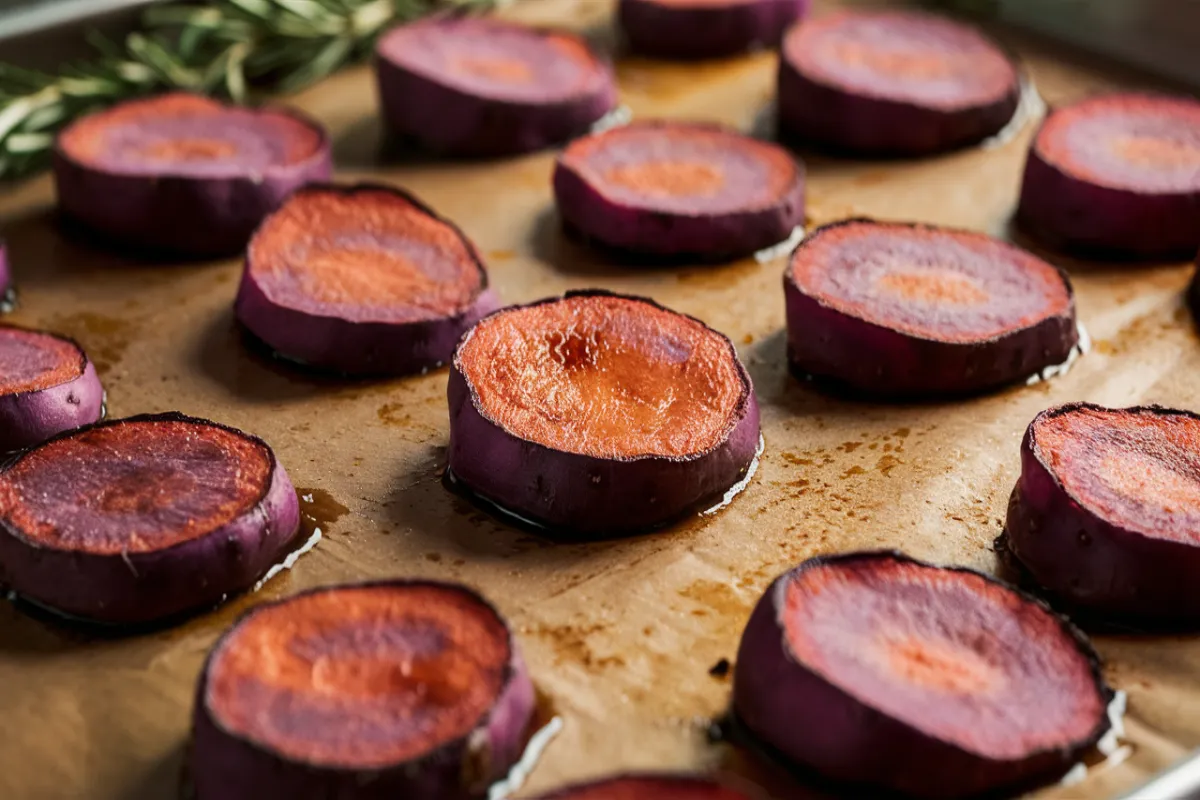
[[362, 280], [47, 386], [1116, 176], [649, 786], [399, 689], [897, 310], [893, 83], [597, 414], [182, 173], [143, 519], [679, 189], [878, 669], [1106, 513], [693, 29], [474, 86]]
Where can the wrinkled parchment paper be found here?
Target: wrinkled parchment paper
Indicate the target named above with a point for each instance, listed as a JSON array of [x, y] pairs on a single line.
[[619, 635]]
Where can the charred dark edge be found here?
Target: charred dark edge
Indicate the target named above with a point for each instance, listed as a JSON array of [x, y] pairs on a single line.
[[83, 358], [810, 237], [599, 63], [323, 147], [167, 416], [352, 189], [562, 161], [1082, 643], [386, 583], [743, 405]]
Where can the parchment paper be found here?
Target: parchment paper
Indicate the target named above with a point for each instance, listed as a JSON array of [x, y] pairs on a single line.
[[619, 635]]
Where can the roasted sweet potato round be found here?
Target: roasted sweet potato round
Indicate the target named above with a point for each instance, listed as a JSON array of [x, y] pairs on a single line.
[[483, 87], [597, 414], [874, 668], [47, 386], [1107, 509], [362, 280], [183, 173], [690, 29], [679, 189], [900, 310], [408, 689], [142, 519], [893, 83], [1116, 176]]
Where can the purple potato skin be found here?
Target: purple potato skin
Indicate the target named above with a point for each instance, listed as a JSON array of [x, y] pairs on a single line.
[[710, 236], [139, 588], [654, 784], [659, 30], [1089, 219], [812, 722], [361, 348], [877, 361], [28, 418], [190, 216], [5, 270], [445, 120], [585, 497], [1090, 563], [840, 121], [225, 766]]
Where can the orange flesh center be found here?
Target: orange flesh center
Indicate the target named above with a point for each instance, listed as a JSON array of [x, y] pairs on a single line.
[[932, 286], [31, 361], [508, 70], [189, 150], [361, 676], [370, 253], [1137, 470], [940, 665], [1157, 151], [604, 376], [668, 178], [923, 65], [134, 487]]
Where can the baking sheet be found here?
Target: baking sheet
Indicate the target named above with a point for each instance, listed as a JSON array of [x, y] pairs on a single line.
[[620, 636]]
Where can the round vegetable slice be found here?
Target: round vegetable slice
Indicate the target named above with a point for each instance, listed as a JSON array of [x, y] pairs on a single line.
[[407, 689], [649, 787], [1106, 513], [142, 519], [878, 669], [893, 83], [361, 279], [687, 29], [677, 189], [47, 386], [482, 87], [901, 310], [1117, 176], [598, 414], [183, 173]]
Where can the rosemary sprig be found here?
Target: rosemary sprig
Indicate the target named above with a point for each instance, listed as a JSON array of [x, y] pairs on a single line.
[[226, 48]]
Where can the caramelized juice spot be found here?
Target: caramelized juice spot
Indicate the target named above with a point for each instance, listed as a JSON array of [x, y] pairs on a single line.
[[668, 178], [932, 286], [189, 150], [505, 70], [940, 665], [1157, 151]]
